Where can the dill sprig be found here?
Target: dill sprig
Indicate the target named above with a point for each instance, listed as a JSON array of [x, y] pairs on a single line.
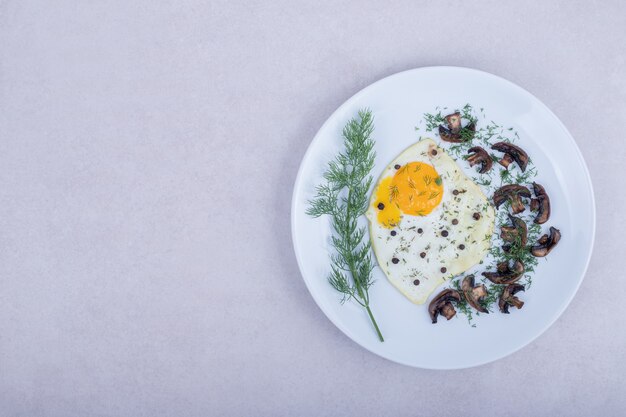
[[344, 198]]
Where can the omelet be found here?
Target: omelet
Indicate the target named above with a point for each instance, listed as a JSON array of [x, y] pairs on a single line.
[[428, 221]]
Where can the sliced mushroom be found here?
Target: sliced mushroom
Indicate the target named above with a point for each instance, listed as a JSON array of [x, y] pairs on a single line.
[[508, 298], [516, 234], [454, 132], [541, 204], [474, 294], [505, 274], [442, 304], [546, 243], [480, 157], [512, 193], [511, 153], [454, 122]]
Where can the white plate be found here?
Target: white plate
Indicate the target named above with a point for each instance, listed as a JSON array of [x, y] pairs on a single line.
[[398, 103]]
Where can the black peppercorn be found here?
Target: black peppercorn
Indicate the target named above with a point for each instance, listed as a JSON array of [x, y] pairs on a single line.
[[381, 206], [395, 260], [455, 192], [461, 246], [423, 255], [444, 233], [416, 282], [420, 230], [443, 270], [476, 216], [396, 166], [455, 222], [393, 233], [433, 152]]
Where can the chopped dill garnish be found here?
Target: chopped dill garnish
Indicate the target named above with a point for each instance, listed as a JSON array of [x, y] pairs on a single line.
[[393, 192], [486, 134]]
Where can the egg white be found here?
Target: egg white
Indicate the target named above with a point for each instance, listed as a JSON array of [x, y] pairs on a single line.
[[441, 251]]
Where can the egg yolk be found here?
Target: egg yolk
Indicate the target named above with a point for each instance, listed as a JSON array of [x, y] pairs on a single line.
[[388, 211], [415, 189]]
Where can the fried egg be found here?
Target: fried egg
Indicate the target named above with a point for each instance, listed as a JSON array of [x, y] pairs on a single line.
[[428, 221]]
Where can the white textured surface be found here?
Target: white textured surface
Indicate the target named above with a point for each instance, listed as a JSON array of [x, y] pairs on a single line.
[[147, 155]]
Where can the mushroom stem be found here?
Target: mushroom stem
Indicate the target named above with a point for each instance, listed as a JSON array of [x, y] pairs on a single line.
[[454, 132], [442, 304], [448, 311], [516, 302], [516, 234], [517, 206], [546, 243], [534, 204], [454, 122], [512, 153], [506, 160], [480, 156], [508, 298], [513, 193], [474, 294]]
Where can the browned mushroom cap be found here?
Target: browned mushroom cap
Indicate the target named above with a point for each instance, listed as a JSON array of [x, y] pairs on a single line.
[[474, 294], [541, 203], [511, 153], [508, 298], [442, 304], [454, 132], [505, 274], [480, 157], [513, 193], [546, 243], [516, 234]]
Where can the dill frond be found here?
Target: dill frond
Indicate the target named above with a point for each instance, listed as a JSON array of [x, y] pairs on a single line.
[[344, 198]]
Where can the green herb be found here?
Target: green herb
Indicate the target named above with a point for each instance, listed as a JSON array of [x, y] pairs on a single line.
[[487, 135], [493, 295], [463, 306], [344, 198], [434, 120], [393, 192]]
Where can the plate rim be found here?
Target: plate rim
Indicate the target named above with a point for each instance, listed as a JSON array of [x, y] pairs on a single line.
[[348, 101]]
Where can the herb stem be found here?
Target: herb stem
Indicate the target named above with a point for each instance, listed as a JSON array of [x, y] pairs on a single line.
[[363, 295], [369, 312]]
